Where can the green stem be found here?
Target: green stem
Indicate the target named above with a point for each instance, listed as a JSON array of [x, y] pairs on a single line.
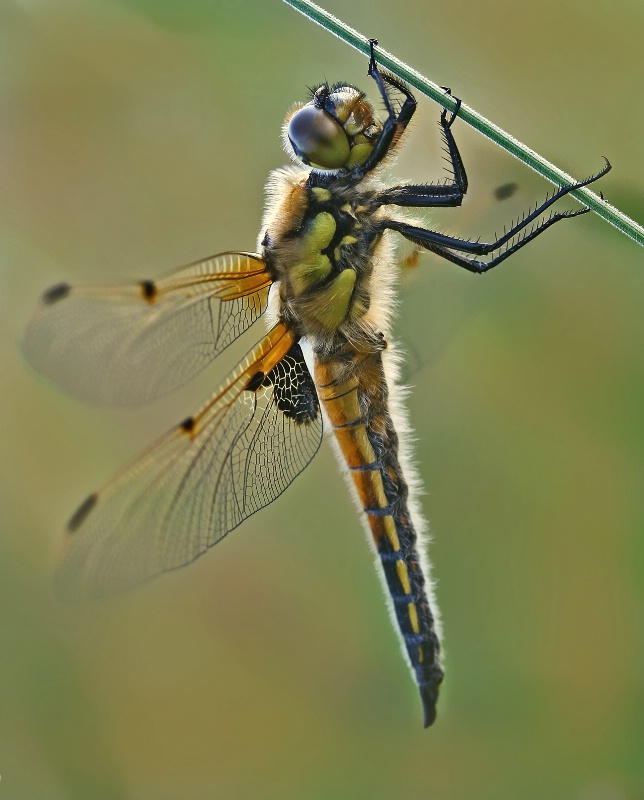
[[539, 164]]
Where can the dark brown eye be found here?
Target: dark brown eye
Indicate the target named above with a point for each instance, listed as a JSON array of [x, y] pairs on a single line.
[[318, 139]]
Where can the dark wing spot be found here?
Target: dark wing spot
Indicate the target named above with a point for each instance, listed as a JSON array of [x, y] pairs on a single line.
[[56, 293], [79, 516], [293, 387], [505, 190], [148, 289], [255, 382], [188, 424]]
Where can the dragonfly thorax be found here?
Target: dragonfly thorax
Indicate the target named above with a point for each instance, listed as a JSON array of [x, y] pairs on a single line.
[[323, 258]]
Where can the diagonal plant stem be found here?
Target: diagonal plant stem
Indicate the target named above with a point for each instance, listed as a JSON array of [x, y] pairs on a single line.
[[519, 150]]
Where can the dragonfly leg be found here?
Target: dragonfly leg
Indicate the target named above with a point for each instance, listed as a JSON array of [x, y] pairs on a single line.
[[428, 195], [420, 195], [474, 264], [445, 245], [395, 124]]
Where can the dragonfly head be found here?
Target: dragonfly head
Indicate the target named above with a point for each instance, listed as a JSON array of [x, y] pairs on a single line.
[[336, 130]]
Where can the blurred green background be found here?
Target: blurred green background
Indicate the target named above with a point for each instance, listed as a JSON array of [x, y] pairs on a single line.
[[136, 135]]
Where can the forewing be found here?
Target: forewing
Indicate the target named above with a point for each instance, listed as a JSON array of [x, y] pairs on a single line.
[[201, 480], [124, 345]]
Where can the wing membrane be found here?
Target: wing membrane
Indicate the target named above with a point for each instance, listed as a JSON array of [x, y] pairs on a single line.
[[124, 345], [202, 479]]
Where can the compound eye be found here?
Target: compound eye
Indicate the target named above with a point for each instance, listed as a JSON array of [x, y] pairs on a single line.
[[318, 138]]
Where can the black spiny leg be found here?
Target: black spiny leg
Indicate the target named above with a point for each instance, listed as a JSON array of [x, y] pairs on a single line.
[[394, 125], [428, 195], [421, 195], [445, 245]]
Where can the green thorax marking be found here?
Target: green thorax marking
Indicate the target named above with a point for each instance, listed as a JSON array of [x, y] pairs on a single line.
[[327, 229]]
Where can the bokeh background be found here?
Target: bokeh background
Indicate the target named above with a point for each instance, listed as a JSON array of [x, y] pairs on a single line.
[[136, 135]]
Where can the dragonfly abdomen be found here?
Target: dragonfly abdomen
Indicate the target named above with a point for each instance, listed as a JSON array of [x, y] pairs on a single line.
[[355, 399]]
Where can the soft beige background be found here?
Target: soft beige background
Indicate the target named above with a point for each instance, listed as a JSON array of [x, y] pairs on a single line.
[[135, 135]]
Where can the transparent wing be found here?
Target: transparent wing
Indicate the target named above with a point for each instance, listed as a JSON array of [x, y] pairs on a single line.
[[202, 479], [123, 345]]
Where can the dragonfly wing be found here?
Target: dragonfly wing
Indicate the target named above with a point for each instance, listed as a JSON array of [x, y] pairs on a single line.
[[124, 345], [202, 479]]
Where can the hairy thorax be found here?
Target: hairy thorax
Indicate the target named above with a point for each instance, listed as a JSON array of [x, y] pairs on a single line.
[[321, 244]]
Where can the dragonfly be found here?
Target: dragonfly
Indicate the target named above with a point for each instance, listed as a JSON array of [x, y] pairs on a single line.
[[326, 267]]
